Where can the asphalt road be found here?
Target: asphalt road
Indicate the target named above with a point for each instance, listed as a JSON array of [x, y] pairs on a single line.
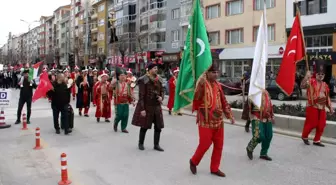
[[99, 156]]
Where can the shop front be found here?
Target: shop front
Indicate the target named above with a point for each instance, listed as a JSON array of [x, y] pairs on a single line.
[[234, 62]]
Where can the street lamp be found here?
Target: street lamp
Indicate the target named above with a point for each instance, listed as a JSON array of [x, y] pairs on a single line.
[[29, 24]]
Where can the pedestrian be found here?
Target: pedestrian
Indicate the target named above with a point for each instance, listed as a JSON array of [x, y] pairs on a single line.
[[172, 86], [148, 110], [211, 106], [60, 99], [26, 94], [102, 97], [318, 99], [84, 84], [123, 96], [262, 120]]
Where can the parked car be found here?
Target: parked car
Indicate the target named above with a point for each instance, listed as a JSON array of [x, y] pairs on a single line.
[[231, 86], [276, 93]]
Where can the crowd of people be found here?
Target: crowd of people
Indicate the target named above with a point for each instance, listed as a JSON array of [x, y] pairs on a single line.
[[102, 89]]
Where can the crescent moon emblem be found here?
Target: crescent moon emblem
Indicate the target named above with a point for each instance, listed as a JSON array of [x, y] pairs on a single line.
[[202, 45], [291, 51], [294, 37]]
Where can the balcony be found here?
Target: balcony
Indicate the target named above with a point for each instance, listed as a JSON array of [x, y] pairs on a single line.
[[94, 30], [184, 21], [144, 28], [185, 1], [94, 42], [158, 5], [94, 15], [157, 26], [129, 18], [156, 46]]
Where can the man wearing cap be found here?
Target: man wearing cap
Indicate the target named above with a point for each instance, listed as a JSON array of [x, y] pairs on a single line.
[[211, 106], [172, 86], [318, 100], [148, 110], [26, 94], [84, 84], [102, 97], [123, 96]]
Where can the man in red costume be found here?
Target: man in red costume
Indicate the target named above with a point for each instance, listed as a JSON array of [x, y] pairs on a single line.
[[172, 86], [74, 76], [84, 84], [210, 114], [318, 101], [102, 96]]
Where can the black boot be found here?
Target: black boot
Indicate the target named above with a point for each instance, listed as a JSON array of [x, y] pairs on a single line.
[[247, 126], [157, 141], [142, 136]]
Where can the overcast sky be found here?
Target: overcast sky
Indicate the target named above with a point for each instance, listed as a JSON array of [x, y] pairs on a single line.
[[11, 11]]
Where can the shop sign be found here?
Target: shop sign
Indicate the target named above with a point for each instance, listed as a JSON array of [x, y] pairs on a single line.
[[322, 56], [167, 58]]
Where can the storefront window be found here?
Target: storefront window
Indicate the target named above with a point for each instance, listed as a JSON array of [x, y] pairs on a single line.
[[237, 69], [228, 68]]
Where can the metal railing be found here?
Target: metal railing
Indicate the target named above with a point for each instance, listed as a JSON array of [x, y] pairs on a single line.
[[156, 46]]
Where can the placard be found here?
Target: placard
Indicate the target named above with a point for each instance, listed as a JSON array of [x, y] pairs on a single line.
[[5, 97]]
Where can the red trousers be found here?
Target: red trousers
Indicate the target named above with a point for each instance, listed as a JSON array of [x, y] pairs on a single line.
[[86, 110], [317, 119], [208, 136]]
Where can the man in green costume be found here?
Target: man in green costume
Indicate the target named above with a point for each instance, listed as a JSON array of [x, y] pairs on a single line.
[[122, 98], [262, 127]]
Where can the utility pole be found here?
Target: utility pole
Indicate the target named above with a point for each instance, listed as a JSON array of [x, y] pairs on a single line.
[[67, 42], [86, 58]]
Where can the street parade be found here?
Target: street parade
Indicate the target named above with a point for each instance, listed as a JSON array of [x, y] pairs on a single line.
[[150, 123]]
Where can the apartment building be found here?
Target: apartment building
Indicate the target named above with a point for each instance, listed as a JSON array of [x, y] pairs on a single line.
[[61, 15], [77, 15], [65, 39], [122, 24], [42, 38], [49, 40], [318, 23], [33, 45], [233, 29]]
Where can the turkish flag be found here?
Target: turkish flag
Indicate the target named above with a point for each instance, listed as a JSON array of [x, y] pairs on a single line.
[[43, 87], [295, 52]]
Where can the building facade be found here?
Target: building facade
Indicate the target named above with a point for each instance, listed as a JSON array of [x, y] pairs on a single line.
[[49, 46], [65, 38], [233, 28], [33, 45], [42, 38], [318, 24]]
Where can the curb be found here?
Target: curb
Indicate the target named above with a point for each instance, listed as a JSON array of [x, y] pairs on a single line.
[[275, 130]]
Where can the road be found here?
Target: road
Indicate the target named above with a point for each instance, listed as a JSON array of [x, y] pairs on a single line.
[[99, 156]]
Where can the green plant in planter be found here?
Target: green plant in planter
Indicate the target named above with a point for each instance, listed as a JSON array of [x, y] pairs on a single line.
[[297, 110]]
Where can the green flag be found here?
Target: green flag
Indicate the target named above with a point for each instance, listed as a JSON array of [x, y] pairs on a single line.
[[196, 59]]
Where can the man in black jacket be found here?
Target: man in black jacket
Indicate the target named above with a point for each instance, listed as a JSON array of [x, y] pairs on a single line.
[[60, 99], [26, 94]]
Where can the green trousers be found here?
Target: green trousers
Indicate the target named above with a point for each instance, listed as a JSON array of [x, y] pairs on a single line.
[[262, 132], [121, 114]]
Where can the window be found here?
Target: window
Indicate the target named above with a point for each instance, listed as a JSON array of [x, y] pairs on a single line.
[[119, 31], [235, 36], [175, 35], [176, 13], [319, 41], [100, 50], [212, 11], [119, 14], [63, 35], [214, 38], [185, 10], [234, 7], [63, 25], [311, 7], [101, 8], [271, 32], [259, 4]]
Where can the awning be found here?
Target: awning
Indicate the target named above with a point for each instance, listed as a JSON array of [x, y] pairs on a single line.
[[275, 51]]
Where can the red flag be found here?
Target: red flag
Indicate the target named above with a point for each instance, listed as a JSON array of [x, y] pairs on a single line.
[[295, 52], [43, 87]]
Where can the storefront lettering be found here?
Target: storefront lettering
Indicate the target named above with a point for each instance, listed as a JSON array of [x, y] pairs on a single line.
[[170, 58], [321, 57]]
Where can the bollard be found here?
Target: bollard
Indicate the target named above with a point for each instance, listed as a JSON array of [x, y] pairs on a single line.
[[64, 171], [37, 139], [2, 120], [24, 122]]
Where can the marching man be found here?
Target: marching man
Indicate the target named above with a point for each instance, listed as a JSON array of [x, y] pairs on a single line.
[[102, 97], [318, 101], [123, 96], [172, 86], [84, 84], [74, 76], [211, 106]]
